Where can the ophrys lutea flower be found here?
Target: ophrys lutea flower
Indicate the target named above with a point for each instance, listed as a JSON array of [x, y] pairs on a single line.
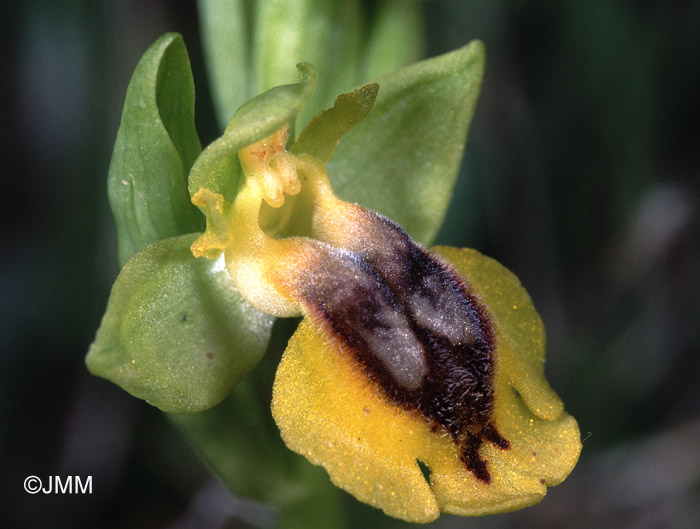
[[416, 376], [405, 357]]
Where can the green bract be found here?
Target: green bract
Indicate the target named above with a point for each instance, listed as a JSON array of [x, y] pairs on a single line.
[[248, 46], [325, 33], [225, 43]]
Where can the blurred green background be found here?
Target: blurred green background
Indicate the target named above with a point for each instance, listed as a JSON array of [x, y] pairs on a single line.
[[582, 175]]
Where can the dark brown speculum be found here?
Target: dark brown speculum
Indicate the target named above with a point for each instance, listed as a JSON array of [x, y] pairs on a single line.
[[416, 329]]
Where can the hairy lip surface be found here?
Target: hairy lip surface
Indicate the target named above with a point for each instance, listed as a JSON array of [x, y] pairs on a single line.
[[416, 330]]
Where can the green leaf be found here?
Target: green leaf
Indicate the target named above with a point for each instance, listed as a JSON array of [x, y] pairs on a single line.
[[320, 138], [396, 37], [403, 158], [217, 168], [326, 33], [224, 29], [155, 147], [176, 332]]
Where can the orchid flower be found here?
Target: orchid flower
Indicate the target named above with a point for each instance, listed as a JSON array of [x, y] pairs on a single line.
[[416, 376]]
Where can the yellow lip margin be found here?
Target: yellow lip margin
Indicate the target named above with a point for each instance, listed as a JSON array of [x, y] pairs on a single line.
[[329, 411]]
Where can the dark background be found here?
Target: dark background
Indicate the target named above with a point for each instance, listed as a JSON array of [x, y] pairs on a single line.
[[582, 175]]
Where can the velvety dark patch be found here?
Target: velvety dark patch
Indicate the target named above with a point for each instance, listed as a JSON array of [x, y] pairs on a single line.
[[417, 330]]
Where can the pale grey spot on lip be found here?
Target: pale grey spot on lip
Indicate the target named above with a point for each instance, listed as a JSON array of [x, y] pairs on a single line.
[[395, 345], [441, 311], [353, 296]]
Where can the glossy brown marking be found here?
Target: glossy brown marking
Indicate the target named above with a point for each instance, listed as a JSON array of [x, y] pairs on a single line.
[[417, 330]]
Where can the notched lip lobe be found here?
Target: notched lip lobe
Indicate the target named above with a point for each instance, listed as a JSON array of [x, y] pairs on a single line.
[[468, 444]]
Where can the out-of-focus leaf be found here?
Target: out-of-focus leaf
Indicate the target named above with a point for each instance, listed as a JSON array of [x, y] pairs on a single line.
[[396, 37], [155, 147], [225, 40], [217, 168], [320, 138], [326, 33], [238, 438], [176, 332], [403, 158]]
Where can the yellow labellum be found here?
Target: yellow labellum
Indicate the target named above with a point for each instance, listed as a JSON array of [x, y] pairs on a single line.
[[331, 413], [404, 357]]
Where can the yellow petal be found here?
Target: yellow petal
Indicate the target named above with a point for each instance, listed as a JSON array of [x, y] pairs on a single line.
[[328, 410]]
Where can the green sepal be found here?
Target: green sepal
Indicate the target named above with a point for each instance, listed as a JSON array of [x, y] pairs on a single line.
[[321, 136], [403, 158], [176, 332], [217, 168], [155, 147]]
